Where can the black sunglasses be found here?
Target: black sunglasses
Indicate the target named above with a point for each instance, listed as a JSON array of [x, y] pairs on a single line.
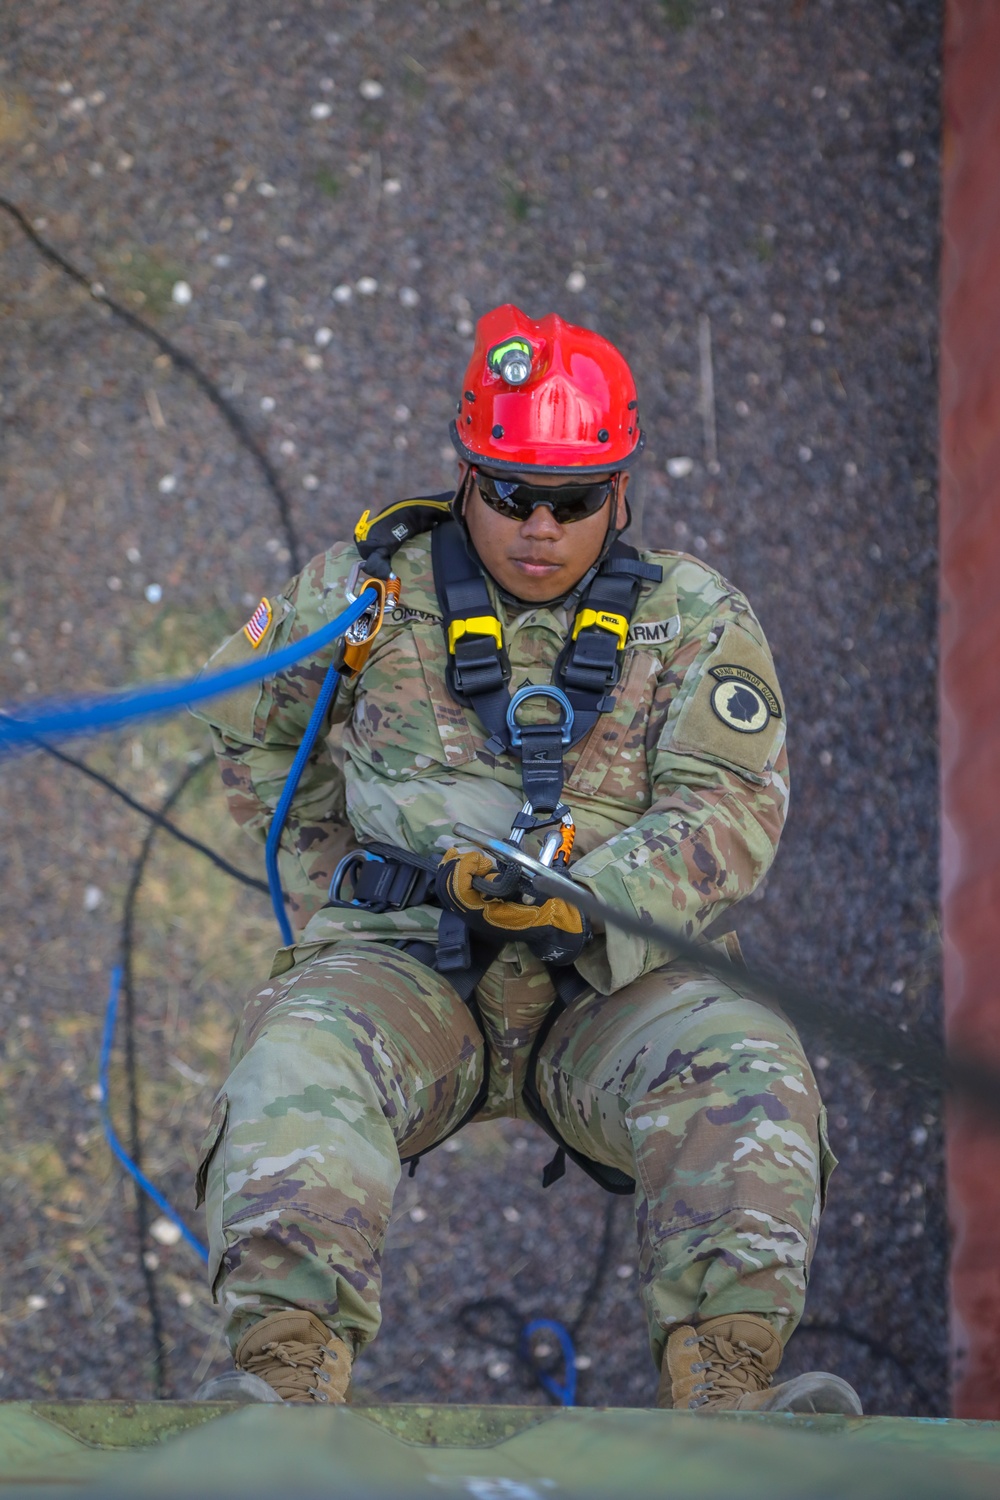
[[568, 502]]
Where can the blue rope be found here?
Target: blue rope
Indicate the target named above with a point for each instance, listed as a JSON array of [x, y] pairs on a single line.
[[102, 713], [85, 715], [565, 1392], [326, 696], [107, 1042]]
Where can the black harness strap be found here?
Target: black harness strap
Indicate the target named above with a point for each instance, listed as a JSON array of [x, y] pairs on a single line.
[[586, 670], [589, 664], [478, 672], [610, 1178], [384, 877], [482, 1093], [478, 669]]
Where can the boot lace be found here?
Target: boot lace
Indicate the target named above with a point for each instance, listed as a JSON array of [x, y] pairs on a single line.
[[297, 1371], [728, 1369]]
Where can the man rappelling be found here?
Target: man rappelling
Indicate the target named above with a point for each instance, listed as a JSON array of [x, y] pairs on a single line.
[[528, 673]]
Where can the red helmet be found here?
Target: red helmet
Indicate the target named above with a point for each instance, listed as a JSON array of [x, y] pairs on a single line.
[[547, 396]]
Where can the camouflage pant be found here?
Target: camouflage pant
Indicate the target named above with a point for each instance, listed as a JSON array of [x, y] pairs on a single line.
[[360, 1054]]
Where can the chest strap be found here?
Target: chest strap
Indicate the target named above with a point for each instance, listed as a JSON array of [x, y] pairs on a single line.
[[586, 671]]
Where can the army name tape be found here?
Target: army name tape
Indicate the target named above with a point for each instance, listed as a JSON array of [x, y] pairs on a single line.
[[652, 632], [742, 700]]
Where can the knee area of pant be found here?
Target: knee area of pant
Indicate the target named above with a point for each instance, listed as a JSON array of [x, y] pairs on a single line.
[[719, 1068], [761, 1053], [321, 1025], [287, 1057]]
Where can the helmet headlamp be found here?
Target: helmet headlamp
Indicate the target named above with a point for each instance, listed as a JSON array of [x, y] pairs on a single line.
[[511, 360]]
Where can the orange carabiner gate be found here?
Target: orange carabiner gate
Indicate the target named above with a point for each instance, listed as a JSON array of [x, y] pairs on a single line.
[[360, 636]]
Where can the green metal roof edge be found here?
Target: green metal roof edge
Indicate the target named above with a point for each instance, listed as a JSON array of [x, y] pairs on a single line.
[[54, 1449]]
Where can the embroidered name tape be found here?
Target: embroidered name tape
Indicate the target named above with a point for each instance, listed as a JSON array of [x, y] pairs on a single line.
[[654, 632], [259, 623], [402, 616]]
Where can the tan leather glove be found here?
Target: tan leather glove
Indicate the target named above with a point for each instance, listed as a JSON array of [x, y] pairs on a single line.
[[554, 931]]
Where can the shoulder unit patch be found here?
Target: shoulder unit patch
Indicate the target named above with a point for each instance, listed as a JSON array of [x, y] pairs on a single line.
[[259, 623], [742, 700], [735, 715]]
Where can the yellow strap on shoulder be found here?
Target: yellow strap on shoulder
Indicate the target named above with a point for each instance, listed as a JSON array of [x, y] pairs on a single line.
[[617, 624], [367, 520], [475, 625]]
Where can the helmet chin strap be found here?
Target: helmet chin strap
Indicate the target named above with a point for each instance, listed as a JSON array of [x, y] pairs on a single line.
[[610, 537], [580, 587]]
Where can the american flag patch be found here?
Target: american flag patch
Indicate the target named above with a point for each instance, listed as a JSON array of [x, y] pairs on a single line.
[[259, 623]]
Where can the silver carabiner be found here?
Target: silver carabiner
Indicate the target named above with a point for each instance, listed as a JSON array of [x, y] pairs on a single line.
[[358, 632], [558, 841]]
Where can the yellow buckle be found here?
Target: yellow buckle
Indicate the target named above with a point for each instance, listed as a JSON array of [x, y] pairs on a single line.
[[475, 625], [617, 624]]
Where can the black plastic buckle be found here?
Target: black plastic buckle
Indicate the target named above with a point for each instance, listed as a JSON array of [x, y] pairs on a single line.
[[379, 884], [593, 664], [454, 950], [478, 666]]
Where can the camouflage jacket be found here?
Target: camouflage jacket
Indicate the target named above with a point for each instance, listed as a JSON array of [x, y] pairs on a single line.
[[679, 793]]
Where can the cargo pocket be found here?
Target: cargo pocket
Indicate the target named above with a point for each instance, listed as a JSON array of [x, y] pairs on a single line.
[[212, 1159], [827, 1160]]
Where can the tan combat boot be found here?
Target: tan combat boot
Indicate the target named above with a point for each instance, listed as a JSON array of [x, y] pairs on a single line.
[[727, 1363], [286, 1356]]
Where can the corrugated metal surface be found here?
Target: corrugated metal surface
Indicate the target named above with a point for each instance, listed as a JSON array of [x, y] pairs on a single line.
[[970, 669]]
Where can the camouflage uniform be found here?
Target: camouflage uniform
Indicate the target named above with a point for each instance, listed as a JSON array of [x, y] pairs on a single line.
[[356, 1053]]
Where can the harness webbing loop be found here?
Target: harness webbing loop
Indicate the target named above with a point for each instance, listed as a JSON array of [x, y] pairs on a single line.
[[478, 673]]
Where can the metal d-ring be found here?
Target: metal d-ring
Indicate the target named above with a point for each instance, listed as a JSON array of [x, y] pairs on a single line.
[[346, 870], [565, 726]]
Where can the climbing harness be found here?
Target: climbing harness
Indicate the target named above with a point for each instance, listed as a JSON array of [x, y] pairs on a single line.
[[586, 672], [383, 877]]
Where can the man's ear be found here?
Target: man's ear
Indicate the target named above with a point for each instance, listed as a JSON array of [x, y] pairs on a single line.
[[621, 509]]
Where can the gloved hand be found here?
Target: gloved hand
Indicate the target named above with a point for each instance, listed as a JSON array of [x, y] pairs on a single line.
[[554, 931]]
